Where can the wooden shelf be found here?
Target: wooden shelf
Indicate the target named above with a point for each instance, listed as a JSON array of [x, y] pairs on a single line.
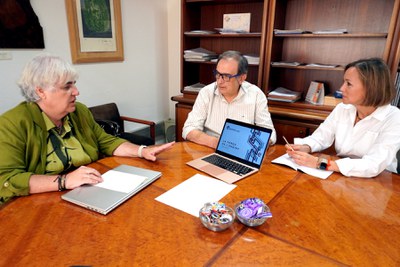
[[230, 35], [345, 35]]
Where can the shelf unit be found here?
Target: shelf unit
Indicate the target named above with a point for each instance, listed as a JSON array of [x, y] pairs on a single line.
[[208, 15], [371, 26], [373, 31]]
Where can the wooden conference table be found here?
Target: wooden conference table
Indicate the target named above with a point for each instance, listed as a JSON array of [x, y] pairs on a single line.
[[337, 221]]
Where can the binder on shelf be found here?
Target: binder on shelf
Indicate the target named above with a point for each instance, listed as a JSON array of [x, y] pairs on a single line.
[[316, 93]]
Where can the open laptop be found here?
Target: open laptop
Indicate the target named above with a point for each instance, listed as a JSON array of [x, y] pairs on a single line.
[[102, 199], [241, 143]]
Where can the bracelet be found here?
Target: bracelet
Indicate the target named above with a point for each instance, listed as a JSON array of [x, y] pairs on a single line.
[[139, 152], [61, 182]]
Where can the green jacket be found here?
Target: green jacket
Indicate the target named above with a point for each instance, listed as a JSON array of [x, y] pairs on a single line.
[[23, 144]]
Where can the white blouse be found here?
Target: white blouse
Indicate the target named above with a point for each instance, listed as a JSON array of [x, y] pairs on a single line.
[[367, 148]]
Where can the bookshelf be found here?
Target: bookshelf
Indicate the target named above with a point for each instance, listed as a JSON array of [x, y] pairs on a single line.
[[207, 15], [373, 30]]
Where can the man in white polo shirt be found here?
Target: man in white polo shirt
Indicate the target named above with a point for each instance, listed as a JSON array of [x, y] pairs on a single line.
[[230, 96]]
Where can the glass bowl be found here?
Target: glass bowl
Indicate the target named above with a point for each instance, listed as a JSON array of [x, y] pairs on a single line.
[[216, 216], [252, 212]]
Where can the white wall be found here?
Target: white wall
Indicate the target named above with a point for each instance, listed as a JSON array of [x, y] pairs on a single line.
[[141, 85]]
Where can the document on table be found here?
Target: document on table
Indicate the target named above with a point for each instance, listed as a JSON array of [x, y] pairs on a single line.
[[288, 161], [120, 181], [190, 195]]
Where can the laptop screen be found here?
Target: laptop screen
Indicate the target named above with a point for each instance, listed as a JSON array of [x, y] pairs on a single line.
[[244, 142]]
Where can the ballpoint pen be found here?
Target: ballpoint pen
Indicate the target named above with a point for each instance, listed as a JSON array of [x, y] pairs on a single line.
[[288, 143]]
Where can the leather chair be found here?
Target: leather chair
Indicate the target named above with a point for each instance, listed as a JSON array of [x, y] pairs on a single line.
[[107, 115]]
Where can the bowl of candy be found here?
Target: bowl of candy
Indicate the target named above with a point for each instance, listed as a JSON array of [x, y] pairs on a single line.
[[252, 212], [216, 216]]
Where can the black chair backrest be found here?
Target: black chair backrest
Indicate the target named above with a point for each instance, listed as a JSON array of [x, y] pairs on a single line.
[[107, 112]]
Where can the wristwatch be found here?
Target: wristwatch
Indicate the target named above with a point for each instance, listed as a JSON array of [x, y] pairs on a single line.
[[323, 163]]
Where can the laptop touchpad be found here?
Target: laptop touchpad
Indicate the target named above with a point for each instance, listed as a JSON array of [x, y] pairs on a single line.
[[213, 169]]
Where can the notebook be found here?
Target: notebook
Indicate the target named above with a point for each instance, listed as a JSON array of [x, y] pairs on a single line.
[[241, 143], [119, 184]]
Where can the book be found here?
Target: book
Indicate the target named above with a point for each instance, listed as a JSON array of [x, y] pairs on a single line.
[[284, 94], [316, 93], [288, 161]]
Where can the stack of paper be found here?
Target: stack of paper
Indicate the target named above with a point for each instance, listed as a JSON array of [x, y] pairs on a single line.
[[293, 31], [194, 87], [252, 59], [286, 63], [199, 55], [334, 31], [283, 94], [319, 65]]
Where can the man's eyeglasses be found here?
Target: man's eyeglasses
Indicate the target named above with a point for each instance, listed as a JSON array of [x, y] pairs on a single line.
[[225, 77]]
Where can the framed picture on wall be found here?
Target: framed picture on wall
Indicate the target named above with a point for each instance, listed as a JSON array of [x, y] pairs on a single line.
[[95, 31]]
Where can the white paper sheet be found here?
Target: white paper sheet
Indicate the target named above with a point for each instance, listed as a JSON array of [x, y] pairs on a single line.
[[287, 160], [120, 181], [190, 195]]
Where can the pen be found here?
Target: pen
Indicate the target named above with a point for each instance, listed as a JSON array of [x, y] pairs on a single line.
[[288, 143]]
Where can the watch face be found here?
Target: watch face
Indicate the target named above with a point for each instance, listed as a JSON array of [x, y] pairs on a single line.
[[323, 164]]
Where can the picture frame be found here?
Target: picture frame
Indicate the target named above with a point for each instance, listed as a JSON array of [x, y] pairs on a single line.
[[95, 30]]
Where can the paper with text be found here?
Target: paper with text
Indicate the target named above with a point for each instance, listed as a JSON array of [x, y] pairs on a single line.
[[120, 181], [288, 161], [190, 195]]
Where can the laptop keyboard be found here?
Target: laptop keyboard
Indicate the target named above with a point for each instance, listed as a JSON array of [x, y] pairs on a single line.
[[227, 164]]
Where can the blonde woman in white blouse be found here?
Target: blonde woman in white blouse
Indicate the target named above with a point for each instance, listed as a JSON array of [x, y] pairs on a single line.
[[365, 127]]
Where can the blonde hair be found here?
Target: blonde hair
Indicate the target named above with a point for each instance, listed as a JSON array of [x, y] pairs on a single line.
[[375, 76]]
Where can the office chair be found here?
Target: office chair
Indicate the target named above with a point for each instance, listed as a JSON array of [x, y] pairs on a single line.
[[108, 117]]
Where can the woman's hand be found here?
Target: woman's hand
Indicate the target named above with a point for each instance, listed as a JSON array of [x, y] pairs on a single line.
[[300, 155], [82, 175], [304, 148], [150, 153], [303, 158]]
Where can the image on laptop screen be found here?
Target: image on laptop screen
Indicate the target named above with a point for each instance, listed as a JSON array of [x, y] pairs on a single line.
[[247, 144]]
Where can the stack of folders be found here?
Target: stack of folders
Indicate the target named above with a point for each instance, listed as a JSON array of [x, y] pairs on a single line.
[[194, 87], [199, 55], [283, 94], [252, 59]]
